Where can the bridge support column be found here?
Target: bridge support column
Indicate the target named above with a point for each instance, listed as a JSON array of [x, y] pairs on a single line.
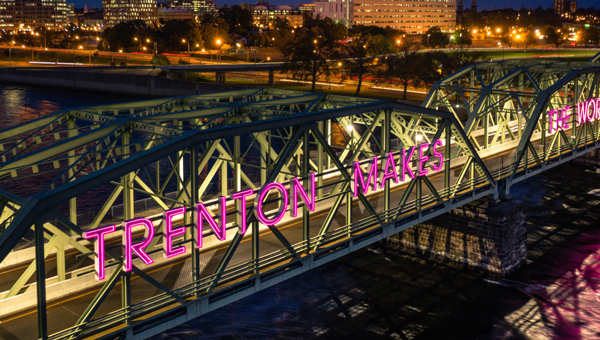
[[271, 77], [220, 77], [484, 235]]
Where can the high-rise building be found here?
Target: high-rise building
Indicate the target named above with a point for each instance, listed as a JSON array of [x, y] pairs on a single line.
[[337, 10], [116, 11], [565, 6], [25, 14], [414, 17]]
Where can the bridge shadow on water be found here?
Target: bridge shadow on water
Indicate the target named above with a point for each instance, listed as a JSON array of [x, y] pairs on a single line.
[[383, 293]]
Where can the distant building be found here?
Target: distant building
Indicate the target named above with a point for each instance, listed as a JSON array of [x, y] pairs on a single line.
[[264, 16], [174, 13], [71, 17], [565, 6], [93, 17], [116, 11], [306, 7], [413, 17], [338, 10], [26, 14], [195, 6]]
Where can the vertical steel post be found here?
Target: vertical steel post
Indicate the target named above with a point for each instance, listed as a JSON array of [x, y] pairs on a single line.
[[305, 174], [419, 192], [486, 130], [255, 246], [224, 181], [60, 262], [129, 214], [385, 149], [447, 156], [237, 177], [73, 201], [320, 163], [328, 135], [40, 274], [263, 162], [194, 192]]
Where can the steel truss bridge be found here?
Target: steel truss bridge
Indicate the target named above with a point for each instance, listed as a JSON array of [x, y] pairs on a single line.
[[83, 168]]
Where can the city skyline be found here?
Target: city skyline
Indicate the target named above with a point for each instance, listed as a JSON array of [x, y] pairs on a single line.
[[481, 4]]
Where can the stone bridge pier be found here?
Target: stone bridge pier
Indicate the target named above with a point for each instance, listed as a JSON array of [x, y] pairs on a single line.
[[486, 235]]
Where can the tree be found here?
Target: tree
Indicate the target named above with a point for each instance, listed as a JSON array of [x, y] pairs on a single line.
[[590, 36], [462, 37], [554, 36], [123, 35], [436, 38], [405, 68], [214, 31], [530, 38], [361, 53], [239, 20], [508, 39], [312, 54], [173, 33]]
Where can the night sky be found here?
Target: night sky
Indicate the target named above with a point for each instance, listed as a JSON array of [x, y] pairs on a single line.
[[482, 4]]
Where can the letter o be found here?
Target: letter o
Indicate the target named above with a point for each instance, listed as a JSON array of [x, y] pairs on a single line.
[[258, 204], [592, 105]]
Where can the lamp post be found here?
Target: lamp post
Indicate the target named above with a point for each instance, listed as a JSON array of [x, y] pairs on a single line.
[[218, 51], [428, 40], [188, 44]]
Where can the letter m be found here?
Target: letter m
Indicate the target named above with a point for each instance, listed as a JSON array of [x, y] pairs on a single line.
[[359, 180]]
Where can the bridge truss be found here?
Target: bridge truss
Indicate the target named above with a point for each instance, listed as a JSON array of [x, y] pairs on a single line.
[[79, 169], [507, 103]]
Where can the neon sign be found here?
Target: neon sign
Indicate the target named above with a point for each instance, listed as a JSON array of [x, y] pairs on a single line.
[[379, 173], [587, 112]]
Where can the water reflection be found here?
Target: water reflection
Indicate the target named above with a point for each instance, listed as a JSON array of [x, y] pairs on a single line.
[[20, 104]]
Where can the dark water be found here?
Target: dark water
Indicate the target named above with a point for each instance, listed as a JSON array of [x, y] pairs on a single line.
[[383, 293], [20, 104]]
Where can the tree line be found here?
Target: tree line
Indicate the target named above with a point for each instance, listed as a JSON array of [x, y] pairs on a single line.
[[323, 48]]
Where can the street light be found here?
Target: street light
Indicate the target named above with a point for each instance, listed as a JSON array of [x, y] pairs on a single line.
[[428, 40], [188, 43], [219, 50]]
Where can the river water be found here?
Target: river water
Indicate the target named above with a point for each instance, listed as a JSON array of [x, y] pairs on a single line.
[[383, 293]]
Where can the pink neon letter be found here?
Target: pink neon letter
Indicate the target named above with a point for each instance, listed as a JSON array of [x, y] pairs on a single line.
[[406, 163], [99, 247], [437, 154], [592, 104], [258, 204], [597, 109], [422, 160], [581, 114], [170, 233], [129, 247], [241, 195], [202, 213], [389, 163], [295, 188], [565, 117], [550, 113], [360, 180]]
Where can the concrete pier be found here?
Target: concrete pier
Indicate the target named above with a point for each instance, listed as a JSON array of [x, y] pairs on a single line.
[[484, 235]]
